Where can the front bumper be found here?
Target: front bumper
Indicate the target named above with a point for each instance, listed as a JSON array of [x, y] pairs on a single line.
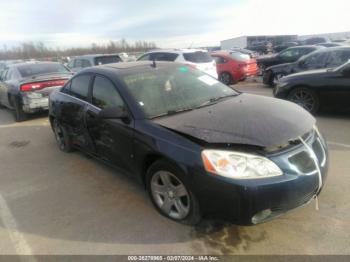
[[248, 202]]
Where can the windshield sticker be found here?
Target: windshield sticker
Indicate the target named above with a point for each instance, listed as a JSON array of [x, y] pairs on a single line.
[[208, 80], [183, 69]]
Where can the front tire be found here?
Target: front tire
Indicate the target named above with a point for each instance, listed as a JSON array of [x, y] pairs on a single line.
[[62, 138], [306, 98], [170, 195]]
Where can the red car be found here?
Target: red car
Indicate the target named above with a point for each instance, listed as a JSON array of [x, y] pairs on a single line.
[[234, 66]]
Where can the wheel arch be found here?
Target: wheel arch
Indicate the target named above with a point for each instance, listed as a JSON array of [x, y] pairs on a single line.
[[150, 159]]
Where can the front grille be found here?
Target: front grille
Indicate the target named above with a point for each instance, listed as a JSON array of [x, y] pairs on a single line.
[[302, 159]]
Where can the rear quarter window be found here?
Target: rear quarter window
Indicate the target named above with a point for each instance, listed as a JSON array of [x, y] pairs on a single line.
[[102, 60], [198, 57]]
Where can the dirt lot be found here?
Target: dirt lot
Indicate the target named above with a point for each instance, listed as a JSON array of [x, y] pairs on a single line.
[[56, 203]]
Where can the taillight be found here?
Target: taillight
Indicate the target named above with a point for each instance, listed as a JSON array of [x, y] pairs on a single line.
[[40, 85]]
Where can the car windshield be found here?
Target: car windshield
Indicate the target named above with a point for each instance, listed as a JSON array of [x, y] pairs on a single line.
[[107, 60], [240, 56], [198, 57], [170, 90], [29, 70]]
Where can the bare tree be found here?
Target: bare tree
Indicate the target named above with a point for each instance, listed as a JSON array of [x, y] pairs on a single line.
[[30, 50]]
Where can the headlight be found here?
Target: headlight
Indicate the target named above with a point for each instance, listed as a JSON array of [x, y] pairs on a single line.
[[281, 84], [239, 165]]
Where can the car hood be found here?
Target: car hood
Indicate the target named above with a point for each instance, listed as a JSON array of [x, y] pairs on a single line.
[[309, 73], [244, 119], [281, 67]]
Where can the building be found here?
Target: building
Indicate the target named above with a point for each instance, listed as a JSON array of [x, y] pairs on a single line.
[[244, 41], [329, 36]]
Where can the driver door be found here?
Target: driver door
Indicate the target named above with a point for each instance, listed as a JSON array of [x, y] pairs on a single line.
[[112, 138]]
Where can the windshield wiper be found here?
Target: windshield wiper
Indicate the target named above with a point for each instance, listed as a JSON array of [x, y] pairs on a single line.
[[214, 100], [173, 112]]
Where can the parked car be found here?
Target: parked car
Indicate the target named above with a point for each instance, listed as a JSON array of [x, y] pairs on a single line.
[[25, 87], [283, 46], [197, 58], [252, 54], [80, 62], [234, 66], [315, 40], [288, 55], [330, 44], [261, 48], [323, 58], [199, 147], [315, 88]]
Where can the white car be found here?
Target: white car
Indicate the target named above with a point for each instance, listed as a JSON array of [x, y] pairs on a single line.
[[197, 58]]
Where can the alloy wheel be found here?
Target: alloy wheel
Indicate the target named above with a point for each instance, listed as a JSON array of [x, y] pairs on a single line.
[[170, 195], [305, 99], [225, 78]]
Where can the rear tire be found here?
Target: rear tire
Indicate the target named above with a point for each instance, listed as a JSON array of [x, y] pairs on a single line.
[[226, 79], [306, 98], [62, 138], [170, 194], [19, 114]]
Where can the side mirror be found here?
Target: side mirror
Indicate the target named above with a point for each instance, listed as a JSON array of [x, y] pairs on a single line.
[[114, 113]]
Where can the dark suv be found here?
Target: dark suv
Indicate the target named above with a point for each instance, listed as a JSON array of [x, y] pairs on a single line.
[[324, 58], [288, 55]]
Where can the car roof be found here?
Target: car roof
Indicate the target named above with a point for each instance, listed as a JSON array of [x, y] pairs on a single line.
[[129, 66], [305, 46], [94, 55], [177, 51]]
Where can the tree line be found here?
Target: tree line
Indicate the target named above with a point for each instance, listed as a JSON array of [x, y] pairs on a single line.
[[38, 50]]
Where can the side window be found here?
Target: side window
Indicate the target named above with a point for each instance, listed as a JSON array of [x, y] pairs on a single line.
[[71, 64], [338, 57], [85, 63], [79, 86], [165, 57], [219, 60], [290, 53], [78, 63], [146, 57], [66, 88], [11, 74], [104, 94], [316, 60], [4, 74]]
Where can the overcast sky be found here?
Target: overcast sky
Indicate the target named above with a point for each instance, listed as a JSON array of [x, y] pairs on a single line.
[[178, 23]]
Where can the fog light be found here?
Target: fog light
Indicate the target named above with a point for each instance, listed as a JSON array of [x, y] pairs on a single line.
[[261, 216]]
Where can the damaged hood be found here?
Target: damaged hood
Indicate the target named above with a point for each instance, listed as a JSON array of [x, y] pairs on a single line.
[[244, 119]]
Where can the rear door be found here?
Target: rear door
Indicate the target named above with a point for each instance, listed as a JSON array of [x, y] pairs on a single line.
[[112, 138], [73, 108]]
